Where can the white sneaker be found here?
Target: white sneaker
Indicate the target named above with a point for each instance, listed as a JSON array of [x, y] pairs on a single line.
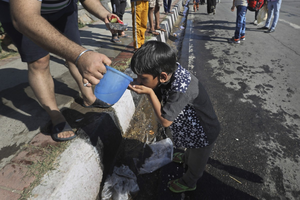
[[255, 22]]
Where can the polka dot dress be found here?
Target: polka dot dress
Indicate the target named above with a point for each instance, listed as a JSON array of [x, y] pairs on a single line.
[[186, 128]]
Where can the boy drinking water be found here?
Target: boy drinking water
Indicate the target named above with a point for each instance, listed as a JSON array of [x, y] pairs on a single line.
[[184, 107]]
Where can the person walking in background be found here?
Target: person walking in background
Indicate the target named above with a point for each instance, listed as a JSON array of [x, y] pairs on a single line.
[[240, 28], [40, 27], [255, 17], [184, 107], [118, 8], [196, 5], [211, 6], [154, 6], [139, 10], [273, 6], [167, 6]]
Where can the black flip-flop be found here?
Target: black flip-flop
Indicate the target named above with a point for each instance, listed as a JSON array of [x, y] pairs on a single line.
[[125, 36], [61, 127], [98, 104], [116, 40]]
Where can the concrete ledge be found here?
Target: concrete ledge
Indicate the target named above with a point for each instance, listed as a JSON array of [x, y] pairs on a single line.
[[77, 176]]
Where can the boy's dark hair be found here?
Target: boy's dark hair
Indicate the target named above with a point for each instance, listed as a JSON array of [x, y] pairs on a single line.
[[153, 58]]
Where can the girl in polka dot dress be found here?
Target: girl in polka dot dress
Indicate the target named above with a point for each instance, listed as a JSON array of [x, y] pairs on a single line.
[[183, 106]]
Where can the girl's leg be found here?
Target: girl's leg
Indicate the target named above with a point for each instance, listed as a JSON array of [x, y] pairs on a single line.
[[196, 160]]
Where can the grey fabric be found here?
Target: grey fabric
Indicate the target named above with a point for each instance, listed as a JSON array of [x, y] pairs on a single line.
[[196, 160]]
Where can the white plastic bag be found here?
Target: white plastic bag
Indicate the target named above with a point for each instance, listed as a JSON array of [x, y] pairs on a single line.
[[162, 155], [262, 14], [120, 184]]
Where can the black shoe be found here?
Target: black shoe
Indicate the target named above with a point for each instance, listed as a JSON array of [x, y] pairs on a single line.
[[264, 28], [270, 31]]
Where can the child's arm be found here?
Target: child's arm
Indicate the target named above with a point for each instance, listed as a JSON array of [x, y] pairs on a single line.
[[140, 89], [233, 5]]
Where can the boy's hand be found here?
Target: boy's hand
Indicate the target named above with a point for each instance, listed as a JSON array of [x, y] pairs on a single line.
[[140, 89]]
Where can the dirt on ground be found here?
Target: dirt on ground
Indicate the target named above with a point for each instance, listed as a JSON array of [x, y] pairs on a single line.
[[7, 49]]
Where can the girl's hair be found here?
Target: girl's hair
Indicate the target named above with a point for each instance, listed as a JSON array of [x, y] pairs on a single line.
[[153, 58]]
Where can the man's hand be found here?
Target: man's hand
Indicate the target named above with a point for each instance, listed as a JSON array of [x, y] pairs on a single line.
[[232, 8], [91, 66], [107, 20], [140, 89]]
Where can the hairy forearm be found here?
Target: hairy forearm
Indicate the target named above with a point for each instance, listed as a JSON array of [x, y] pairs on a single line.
[[157, 109], [30, 23], [96, 8]]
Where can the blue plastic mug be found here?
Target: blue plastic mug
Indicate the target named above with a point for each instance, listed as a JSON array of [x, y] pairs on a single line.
[[112, 86]]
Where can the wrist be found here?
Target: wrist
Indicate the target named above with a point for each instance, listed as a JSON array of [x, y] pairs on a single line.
[[83, 52]]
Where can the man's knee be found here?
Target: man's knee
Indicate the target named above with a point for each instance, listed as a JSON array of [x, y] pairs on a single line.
[[40, 64]]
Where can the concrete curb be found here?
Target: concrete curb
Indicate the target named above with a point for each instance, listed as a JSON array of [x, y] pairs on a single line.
[[80, 171]]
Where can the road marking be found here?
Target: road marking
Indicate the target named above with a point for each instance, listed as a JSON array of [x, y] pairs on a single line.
[[291, 24]]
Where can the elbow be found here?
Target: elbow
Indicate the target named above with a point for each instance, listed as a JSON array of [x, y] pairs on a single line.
[[166, 124], [17, 24]]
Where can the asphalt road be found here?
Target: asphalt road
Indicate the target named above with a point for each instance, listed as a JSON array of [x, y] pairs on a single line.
[[254, 89]]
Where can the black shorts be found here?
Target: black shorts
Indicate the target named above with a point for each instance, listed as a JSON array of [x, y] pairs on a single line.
[[66, 21]]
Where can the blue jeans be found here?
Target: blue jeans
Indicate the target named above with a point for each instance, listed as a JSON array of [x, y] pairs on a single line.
[[273, 5], [240, 28]]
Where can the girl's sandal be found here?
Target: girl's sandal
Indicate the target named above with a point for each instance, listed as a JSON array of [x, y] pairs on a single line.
[[178, 157], [176, 187]]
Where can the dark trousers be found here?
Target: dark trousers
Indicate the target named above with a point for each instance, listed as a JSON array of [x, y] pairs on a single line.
[[196, 159], [211, 4], [118, 8], [167, 5]]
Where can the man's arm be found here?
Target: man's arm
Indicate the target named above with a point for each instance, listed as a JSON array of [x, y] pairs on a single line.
[[28, 20], [97, 9]]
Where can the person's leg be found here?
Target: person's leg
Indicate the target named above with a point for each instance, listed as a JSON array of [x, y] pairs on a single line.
[[68, 25], [150, 16], [169, 5], [139, 22], [255, 15], [121, 11], [208, 7], [157, 16], [270, 13], [165, 6], [87, 93], [42, 85], [134, 24], [277, 6], [243, 30], [39, 76], [240, 13], [197, 160], [144, 21]]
